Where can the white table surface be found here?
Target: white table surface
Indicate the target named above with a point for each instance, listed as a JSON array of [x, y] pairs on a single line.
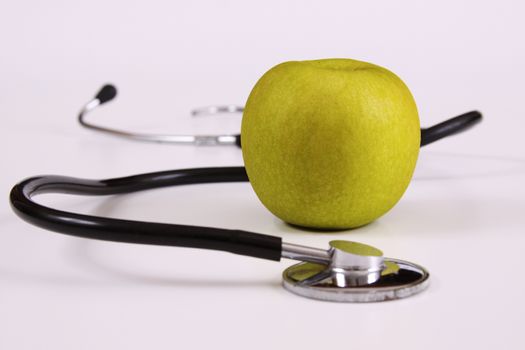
[[463, 216]]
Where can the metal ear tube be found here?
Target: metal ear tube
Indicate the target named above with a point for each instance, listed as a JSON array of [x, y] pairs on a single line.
[[109, 92]]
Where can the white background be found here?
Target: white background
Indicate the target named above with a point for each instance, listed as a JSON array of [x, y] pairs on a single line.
[[462, 217]]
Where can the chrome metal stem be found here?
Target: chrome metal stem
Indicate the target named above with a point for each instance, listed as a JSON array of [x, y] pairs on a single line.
[[213, 110], [303, 253]]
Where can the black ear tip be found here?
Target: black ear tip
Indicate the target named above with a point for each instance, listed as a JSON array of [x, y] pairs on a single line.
[[472, 117], [477, 114], [107, 93], [238, 140]]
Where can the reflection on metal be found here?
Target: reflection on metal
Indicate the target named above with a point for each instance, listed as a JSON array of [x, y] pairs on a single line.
[[355, 272]]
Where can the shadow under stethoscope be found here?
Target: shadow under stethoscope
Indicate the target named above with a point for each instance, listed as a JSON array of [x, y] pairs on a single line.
[[86, 254], [83, 253]]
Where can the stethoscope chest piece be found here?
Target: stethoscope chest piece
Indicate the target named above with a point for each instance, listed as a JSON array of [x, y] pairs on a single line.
[[356, 273]]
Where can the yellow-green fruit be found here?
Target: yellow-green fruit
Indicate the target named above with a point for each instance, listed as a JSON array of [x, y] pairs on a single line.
[[330, 143]]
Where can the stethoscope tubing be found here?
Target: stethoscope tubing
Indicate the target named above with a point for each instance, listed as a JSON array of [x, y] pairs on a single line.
[[117, 230], [129, 231]]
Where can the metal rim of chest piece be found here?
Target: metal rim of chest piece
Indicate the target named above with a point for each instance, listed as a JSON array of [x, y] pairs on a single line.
[[357, 273]]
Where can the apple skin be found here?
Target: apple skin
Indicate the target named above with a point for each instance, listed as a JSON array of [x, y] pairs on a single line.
[[330, 144]]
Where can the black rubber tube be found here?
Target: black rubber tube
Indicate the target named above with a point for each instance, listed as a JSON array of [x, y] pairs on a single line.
[[449, 127], [87, 226]]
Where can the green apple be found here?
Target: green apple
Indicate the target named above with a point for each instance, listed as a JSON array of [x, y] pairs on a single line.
[[330, 144]]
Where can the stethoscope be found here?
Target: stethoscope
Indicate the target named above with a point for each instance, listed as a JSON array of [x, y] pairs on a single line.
[[345, 272]]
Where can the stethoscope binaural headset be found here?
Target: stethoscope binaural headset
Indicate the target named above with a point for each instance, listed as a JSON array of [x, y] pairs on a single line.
[[346, 272]]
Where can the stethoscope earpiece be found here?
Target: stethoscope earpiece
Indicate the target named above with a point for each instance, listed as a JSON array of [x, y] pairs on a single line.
[[109, 92]]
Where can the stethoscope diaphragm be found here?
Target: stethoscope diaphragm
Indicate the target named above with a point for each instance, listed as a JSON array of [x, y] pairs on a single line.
[[320, 282]]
